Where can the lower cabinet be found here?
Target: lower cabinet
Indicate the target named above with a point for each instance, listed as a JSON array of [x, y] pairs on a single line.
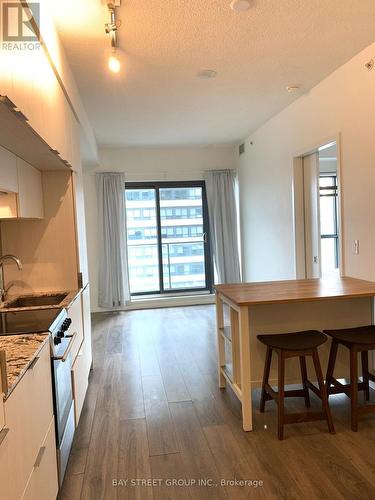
[[5, 470], [42, 484], [30, 437], [81, 323]]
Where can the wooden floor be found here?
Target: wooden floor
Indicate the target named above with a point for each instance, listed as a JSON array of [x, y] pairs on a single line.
[[153, 411]]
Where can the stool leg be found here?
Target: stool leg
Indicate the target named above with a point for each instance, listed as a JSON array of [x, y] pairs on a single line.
[[354, 389], [364, 357], [323, 391], [302, 362], [331, 363], [267, 367], [280, 402]]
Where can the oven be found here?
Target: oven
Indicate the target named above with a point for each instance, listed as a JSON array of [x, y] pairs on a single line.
[[62, 343]]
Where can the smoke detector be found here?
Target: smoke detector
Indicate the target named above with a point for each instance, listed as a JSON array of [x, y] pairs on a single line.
[[240, 5], [207, 74]]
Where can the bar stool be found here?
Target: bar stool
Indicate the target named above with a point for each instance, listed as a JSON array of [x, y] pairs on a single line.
[[291, 345], [360, 339]]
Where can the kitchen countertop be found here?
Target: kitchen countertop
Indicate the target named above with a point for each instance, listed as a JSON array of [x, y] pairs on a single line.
[[20, 352], [64, 304]]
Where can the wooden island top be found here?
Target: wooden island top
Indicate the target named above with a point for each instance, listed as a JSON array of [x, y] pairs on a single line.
[[247, 294]]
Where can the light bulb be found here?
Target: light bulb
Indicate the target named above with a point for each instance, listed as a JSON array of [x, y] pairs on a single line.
[[114, 64]]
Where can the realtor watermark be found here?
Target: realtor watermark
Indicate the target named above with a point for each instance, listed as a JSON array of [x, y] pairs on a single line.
[[185, 482], [20, 25]]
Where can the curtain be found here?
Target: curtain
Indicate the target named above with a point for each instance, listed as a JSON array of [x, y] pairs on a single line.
[[220, 186], [113, 262]]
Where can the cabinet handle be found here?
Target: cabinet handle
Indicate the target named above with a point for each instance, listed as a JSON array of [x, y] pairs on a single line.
[[33, 363], [39, 458], [3, 434]]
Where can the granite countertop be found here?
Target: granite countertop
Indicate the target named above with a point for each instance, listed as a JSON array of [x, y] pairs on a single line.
[[20, 351], [64, 304]]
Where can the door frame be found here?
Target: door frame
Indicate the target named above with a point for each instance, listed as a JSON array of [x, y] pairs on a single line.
[[298, 203], [206, 235]]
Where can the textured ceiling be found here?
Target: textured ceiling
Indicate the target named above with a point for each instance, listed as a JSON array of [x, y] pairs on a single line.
[[157, 98]]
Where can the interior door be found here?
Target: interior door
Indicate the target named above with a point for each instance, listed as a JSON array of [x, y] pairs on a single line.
[[312, 215]]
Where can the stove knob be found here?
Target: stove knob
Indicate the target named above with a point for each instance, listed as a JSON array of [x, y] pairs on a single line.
[[60, 334], [57, 341]]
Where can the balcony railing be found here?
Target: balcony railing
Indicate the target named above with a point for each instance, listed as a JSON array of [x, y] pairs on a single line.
[[170, 258]]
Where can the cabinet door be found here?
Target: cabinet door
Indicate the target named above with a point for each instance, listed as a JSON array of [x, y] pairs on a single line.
[[80, 380], [5, 471], [21, 445], [8, 171], [43, 482], [28, 412], [40, 383], [75, 314], [30, 191]]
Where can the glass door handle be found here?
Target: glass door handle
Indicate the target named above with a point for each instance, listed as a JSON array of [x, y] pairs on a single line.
[[205, 237]]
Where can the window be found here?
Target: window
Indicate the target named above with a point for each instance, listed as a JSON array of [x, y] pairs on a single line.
[[329, 222], [167, 234]]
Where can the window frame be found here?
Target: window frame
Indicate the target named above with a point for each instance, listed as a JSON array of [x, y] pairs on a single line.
[[209, 272], [334, 236]]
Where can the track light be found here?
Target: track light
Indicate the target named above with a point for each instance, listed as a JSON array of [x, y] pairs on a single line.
[[111, 28]]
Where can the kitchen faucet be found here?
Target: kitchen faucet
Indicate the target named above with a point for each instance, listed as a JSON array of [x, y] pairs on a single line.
[[3, 290]]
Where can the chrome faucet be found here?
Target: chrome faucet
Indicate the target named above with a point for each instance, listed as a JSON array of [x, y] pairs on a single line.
[[3, 290]]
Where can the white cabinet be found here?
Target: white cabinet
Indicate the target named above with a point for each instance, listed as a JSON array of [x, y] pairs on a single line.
[[24, 183], [30, 191], [82, 363], [5, 469], [29, 418], [43, 482], [8, 171]]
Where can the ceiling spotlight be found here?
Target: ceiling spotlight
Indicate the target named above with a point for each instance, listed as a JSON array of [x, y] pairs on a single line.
[[240, 5], [292, 88], [207, 74], [114, 64]]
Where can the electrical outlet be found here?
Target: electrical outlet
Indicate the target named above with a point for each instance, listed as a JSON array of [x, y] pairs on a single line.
[[356, 247]]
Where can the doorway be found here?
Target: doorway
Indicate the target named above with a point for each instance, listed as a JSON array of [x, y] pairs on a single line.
[[317, 212]]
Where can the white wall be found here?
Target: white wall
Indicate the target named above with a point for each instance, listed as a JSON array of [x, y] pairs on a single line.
[[147, 164], [342, 104]]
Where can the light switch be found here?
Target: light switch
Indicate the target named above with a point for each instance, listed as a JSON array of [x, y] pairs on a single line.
[[356, 247]]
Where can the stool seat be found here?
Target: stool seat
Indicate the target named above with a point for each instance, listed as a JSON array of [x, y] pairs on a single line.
[[294, 345], [358, 335], [297, 341]]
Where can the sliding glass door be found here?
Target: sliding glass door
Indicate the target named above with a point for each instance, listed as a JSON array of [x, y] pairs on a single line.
[[168, 244]]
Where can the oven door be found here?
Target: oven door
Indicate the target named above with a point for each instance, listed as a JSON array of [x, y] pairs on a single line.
[[62, 366]]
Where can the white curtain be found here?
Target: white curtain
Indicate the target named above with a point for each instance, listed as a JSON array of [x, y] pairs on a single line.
[[113, 262], [220, 186]]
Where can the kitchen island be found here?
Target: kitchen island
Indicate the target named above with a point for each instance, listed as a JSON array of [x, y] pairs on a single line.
[[246, 310]]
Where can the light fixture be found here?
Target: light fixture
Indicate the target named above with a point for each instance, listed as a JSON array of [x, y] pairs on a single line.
[[207, 74], [240, 5], [111, 29], [114, 64]]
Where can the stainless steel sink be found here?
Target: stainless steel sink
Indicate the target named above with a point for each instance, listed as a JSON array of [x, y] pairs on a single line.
[[37, 301]]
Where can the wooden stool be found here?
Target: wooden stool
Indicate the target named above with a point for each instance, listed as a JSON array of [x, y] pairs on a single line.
[[361, 339], [290, 345]]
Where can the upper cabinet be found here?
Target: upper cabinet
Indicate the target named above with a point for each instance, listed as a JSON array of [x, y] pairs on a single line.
[[35, 103], [8, 171], [21, 191], [30, 191]]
